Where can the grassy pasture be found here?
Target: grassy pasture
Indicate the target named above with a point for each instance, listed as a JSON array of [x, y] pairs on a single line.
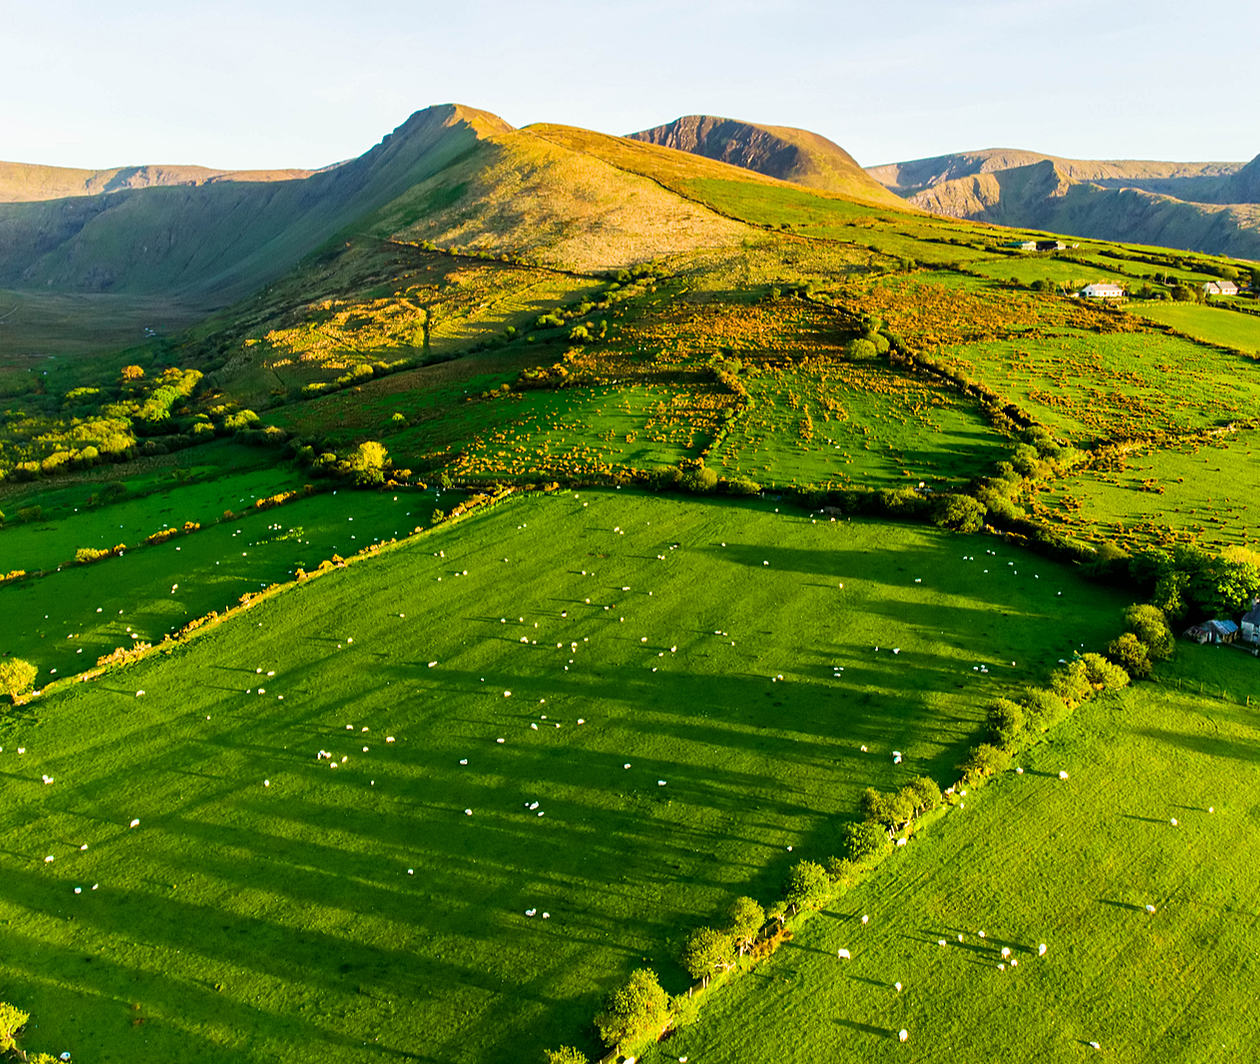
[[47, 544], [1193, 492], [53, 620], [849, 423], [360, 912], [1203, 322], [1113, 385], [1037, 859], [1027, 267]]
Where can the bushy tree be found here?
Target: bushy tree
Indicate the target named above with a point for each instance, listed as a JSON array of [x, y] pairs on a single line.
[[707, 950], [1042, 709], [962, 513], [747, 919], [368, 462], [16, 677], [1103, 674], [633, 1011], [924, 792], [807, 885], [1071, 683], [862, 839], [1150, 626], [984, 761], [1130, 653], [1006, 722]]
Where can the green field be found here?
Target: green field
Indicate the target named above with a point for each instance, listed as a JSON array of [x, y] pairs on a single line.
[[1028, 267], [361, 911], [1112, 385], [63, 621], [46, 544], [845, 423], [1192, 492], [1210, 324], [1035, 859]]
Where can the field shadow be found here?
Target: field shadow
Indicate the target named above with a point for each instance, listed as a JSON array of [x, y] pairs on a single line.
[[864, 1028]]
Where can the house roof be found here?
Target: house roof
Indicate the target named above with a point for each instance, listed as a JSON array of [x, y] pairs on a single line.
[[1224, 627], [1252, 616]]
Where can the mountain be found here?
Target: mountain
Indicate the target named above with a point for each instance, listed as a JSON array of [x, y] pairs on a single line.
[[219, 239], [908, 178], [1208, 207], [28, 182], [794, 155]]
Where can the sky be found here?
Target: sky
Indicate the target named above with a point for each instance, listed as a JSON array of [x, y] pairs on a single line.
[[240, 84]]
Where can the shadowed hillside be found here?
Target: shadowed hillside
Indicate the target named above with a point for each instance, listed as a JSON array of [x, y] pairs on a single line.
[[795, 155], [222, 237]]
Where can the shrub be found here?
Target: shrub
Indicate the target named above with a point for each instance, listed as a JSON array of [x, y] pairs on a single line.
[[807, 885], [1071, 683], [1131, 654], [1006, 722], [742, 486], [984, 761], [564, 1055], [924, 792], [633, 1011], [707, 950], [699, 479], [1042, 709], [1151, 627], [84, 555], [861, 350], [962, 513], [863, 839], [1103, 674], [12, 1020]]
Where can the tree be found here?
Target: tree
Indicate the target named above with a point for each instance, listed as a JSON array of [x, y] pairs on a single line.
[[984, 761], [368, 462], [924, 792], [1006, 722], [1151, 627], [962, 513], [132, 373], [633, 1011], [1130, 653], [807, 885], [747, 919], [707, 950], [12, 1020], [16, 677], [1103, 674], [862, 839], [564, 1055]]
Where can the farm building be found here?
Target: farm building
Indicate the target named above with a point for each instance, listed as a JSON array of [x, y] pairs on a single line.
[[1251, 623], [1049, 245], [1102, 291], [1220, 288], [1214, 631]]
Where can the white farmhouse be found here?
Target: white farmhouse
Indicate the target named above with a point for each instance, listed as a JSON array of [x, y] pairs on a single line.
[[1220, 288], [1102, 291]]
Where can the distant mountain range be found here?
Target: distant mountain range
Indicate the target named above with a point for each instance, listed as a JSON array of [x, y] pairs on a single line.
[[1213, 206]]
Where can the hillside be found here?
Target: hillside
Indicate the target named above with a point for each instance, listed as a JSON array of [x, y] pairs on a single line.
[[1197, 206], [794, 155], [221, 237]]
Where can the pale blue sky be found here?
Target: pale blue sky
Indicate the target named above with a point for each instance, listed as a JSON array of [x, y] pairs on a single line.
[[272, 83]]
